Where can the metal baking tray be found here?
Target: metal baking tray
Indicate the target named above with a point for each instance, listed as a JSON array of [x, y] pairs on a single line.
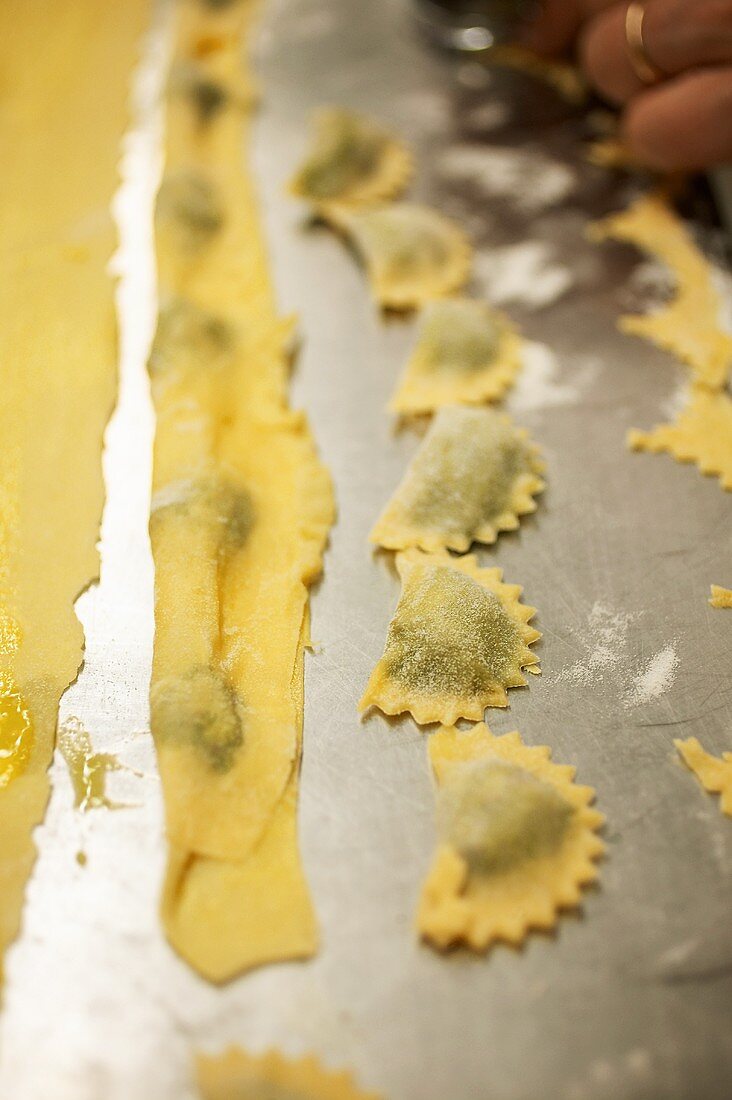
[[632, 999]]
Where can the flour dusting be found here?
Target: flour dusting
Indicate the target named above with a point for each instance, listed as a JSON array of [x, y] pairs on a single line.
[[606, 646], [650, 286], [608, 656], [676, 402], [489, 116], [603, 1079], [531, 180], [526, 273], [426, 108], [656, 678], [538, 387], [310, 25], [474, 75]]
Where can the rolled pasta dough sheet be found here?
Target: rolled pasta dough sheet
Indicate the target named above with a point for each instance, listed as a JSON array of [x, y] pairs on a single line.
[[66, 71]]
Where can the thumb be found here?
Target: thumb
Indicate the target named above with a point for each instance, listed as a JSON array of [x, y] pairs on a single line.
[[685, 123]]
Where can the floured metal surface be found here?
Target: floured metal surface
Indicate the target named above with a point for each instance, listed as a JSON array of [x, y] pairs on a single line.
[[632, 1000]]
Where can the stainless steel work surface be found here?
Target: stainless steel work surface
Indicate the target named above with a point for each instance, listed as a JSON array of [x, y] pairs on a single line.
[[633, 998]]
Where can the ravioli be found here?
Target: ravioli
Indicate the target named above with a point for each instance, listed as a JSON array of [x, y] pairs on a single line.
[[189, 209], [66, 70], [720, 597], [207, 95], [240, 515], [412, 253], [353, 162], [473, 476], [189, 340], [458, 639], [690, 326], [236, 1075], [701, 433], [714, 773], [466, 352], [207, 82], [517, 840], [231, 591]]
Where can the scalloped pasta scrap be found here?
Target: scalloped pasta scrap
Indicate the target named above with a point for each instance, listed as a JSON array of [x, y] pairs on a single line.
[[689, 327], [353, 162], [609, 152], [714, 773], [720, 597], [702, 434], [517, 840], [411, 252], [459, 638], [466, 352], [473, 476], [236, 1075]]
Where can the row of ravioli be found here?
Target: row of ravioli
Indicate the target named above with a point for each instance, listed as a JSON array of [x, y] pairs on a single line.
[[517, 837], [240, 516]]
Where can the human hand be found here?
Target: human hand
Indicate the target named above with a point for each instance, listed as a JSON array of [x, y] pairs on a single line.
[[682, 119]]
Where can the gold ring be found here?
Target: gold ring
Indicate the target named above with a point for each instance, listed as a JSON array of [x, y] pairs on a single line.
[[644, 68]]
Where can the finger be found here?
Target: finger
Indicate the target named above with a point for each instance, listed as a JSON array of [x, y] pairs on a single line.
[[681, 35], [685, 123], [555, 27], [604, 57], [677, 35]]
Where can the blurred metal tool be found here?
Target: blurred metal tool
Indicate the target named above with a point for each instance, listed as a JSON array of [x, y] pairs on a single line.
[[472, 25]]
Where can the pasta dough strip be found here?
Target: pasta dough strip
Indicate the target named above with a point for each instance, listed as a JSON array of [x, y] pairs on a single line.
[[689, 326], [241, 511], [66, 65]]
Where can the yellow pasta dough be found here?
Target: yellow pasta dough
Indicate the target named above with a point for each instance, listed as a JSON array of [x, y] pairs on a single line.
[[720, 597], [353, 162], [714, 773], [609, 152], [88, 770], [458, 639], [565, 78], [466, 352], [690, 326], [66, 69], [473, 476], [517, 840], [240, 514], [701, 433], [236, 1075], [412, 253]]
